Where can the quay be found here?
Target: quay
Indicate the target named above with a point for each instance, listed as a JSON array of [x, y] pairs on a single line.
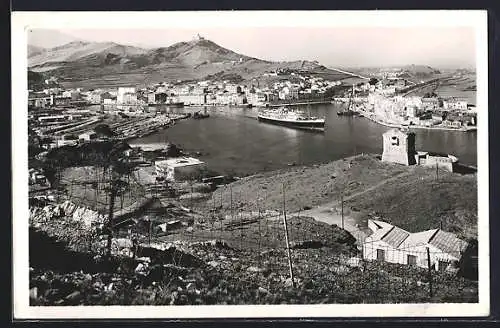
[[300, 103], [372, 117]]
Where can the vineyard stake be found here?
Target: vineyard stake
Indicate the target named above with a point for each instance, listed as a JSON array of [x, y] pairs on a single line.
[[430, 271], [286, 239]]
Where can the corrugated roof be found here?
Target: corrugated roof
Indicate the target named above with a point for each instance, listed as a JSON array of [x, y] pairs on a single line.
[[395, 236], [380, 233], [420, 238], [448, 243]]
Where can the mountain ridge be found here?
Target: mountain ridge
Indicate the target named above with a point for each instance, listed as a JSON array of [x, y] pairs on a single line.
[[186, 60]]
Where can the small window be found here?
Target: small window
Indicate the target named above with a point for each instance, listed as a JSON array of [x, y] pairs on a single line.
[[380, 255], [412, 260], [395, 141], [442, 265]]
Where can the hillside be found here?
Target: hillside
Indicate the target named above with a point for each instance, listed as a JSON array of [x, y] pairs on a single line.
[[419, 72], [35, 51], [110, 64], [83, 52], [409, 197]]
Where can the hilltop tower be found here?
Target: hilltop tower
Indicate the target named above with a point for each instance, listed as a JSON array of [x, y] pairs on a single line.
[[399, 147]]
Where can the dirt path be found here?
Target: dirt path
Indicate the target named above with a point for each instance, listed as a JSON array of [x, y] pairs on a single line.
[[328, 213]]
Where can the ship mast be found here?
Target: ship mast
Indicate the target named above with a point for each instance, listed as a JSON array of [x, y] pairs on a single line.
[[350, 99]]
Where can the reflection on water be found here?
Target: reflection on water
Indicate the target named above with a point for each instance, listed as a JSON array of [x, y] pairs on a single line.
[[233, 141]]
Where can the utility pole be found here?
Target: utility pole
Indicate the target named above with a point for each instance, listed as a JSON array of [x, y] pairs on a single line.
[[437, 171], [221, 197], [430, 271], [342, 209], [259, 218], [286, 239], [231, 201], [150, 228], [213, 210], [110, 213]]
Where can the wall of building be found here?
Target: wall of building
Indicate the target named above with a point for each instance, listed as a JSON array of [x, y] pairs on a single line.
[[400, 256], [442, 162], [192, 99], [399, 148], [38, 102]]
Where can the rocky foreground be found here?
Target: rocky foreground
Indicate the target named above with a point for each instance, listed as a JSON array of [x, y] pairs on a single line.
[[223, 254], [218, 274]]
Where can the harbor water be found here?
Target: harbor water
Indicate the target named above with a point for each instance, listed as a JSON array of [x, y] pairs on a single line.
[[233, 141]]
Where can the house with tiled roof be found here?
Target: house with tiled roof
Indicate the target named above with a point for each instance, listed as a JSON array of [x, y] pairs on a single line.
[[392, 244]]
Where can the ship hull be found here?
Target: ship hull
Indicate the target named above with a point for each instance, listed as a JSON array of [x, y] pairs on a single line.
[[314, 125]]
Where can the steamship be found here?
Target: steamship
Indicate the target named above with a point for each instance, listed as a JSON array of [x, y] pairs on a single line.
[[290, 118]]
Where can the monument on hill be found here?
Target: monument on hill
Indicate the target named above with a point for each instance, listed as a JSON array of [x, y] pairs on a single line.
[[399, 147]]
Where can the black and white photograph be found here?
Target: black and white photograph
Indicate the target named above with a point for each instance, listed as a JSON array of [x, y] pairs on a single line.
[[250, 164]]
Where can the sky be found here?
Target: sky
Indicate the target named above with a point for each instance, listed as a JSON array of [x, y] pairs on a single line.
[[332, 46]]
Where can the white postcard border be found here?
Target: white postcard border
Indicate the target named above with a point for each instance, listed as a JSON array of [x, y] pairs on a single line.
[[438, 18]]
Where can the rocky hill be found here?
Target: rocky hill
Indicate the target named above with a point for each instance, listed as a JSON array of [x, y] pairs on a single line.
[[420, 71], [35, 51], [93, 62], [81, 52]]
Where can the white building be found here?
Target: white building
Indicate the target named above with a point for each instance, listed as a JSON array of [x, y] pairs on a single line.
[[87, 136], [455, 104], [411, 111], [192, 99], [179, 168], [126, 95], [444, 161], [108, 101], [392, 244], [399, 147], [62, 142]]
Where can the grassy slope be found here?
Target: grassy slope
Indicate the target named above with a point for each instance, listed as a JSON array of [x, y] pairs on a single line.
[[412, 199], [421, 202], [307, 186]]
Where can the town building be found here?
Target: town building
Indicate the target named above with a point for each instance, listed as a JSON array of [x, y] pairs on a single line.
[[151, 98], [437, 117], [411, 111], [392, 244], [454, 104], [37, 177], [179, 168], [87, 136], [399, 147], [430, 103], [94, 97], [126, 95], [455, 124], [107, 98], [60, 100], [192, 99], [73, 94], [38, 101], [63, 142]]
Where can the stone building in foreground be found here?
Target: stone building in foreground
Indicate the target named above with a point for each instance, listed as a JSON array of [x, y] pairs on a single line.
[[399, 147]]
